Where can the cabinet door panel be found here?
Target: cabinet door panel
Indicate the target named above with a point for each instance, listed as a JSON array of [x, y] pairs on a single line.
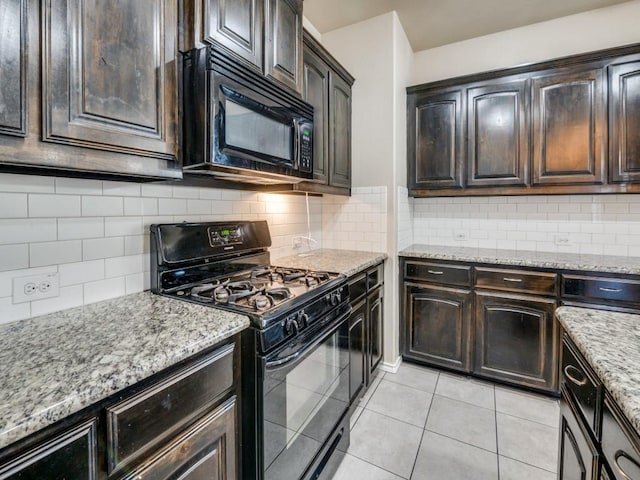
[[578, 456], [357, 350], [435, 141], [498, 141], [340, 137], [624, 108], [13, 67], [237, 26], [69, 455], [438, 325], [316, 92], [569, 128], [516, 339], [109, 75], [283, 44], [374, 334]]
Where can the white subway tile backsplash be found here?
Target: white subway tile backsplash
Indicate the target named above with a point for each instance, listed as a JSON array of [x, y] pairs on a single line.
[[13, 257], [80, 228], [55, 253], [121, 189], [156, 190], [122, 266], [10, 182], [210, 194], [13, 205], [102, 248], [172, 206], [102, 206], [12, 312], [121, 226], [136, 244], [25, 230], [81, 272], [79, 186], [104, 289], [137, 282], [199, 207], [54, 205], [186, 192], [137, 206], [69, 297]]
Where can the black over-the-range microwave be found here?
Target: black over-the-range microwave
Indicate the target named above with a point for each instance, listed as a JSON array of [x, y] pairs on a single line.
[[239, 125]]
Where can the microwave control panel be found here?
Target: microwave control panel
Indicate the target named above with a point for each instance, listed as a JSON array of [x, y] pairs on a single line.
[[306, 147]]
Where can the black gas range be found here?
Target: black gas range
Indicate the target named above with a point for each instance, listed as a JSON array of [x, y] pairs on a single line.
[[295, 355]]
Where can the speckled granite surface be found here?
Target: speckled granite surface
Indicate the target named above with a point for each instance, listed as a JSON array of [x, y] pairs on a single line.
[[54, 365], [610, 342], [559, 261], [348, 262]]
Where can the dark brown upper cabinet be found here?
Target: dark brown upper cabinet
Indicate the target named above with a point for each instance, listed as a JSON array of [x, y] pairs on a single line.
[[624, 115], [569, 127], [283, 42], [435, 140], [498, 135], [327, 86], [13, 67], [109, 76]]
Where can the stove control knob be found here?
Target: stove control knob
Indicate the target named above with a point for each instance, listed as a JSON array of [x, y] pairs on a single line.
[[291, 326], [303, 319], [336, 298]]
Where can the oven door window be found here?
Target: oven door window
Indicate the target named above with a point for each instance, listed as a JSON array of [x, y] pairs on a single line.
[[303, 402]]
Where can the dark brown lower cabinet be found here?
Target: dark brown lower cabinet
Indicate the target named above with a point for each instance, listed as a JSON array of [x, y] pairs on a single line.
[[357, 350], [516, 339], [69, 455], [375, 305], [438, 325], [578, 456]]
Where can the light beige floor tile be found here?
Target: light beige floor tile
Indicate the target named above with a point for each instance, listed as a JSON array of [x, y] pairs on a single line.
[[529, 442], [530, 406], [385, 442], [411, 375], [444, 458], [355, 416], [401, 402], [513, 470], [352, 468], [466, 389], [463, 421], [372, 388]]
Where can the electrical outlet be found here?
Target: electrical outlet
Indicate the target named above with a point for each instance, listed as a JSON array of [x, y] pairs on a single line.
[[36, 287], [563, 239], [461, 235]]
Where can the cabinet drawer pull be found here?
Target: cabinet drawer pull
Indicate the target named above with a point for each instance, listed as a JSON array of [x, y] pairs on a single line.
[[575, 375], [435, 272], [621, 454], [611, 290], [513, 280]]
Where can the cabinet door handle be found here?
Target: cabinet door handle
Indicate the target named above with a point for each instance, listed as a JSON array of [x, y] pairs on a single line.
[[611, 290], [513, 280], [632, 461], [575, 375], [435, 272]]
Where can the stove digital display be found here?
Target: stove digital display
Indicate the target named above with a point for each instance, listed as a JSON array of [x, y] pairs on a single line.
[[226, 236]]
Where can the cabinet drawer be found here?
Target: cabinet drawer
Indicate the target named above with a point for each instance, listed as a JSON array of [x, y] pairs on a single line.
[[357, 286], [375, 277], [540, 283], [438, 273], [601, 288], [582, 384], [620, 444], [144, 420]]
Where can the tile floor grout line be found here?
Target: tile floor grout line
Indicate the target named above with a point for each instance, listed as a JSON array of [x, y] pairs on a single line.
[[461, 441], [495, 419], [378, 466], [523, 418], [424, 427], [528, 464]]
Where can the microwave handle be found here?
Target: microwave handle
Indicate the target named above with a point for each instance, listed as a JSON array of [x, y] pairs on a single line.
[[296, 144]]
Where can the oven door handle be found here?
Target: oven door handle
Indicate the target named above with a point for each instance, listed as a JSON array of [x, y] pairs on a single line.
[[285, 361]]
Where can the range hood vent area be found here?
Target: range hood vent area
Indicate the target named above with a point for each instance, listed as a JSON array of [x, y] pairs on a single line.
[[240, 126]]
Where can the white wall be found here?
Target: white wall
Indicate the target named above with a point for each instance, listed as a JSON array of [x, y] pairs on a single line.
[[95, 234], [584, 32]]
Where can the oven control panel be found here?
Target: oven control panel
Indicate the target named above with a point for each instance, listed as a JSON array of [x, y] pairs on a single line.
[[225, 236]]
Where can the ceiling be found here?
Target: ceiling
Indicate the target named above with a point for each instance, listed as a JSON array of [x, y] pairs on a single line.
[[431, 23]]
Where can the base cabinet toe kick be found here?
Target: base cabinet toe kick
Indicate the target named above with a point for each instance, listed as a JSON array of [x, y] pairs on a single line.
[[495, 321]]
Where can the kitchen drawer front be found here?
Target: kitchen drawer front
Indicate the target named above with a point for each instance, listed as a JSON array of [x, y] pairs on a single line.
[[438, 273], [375, 277], [538, 283], [620, 444], [144, 420], [357, 286], [582, 384], [597, 289]]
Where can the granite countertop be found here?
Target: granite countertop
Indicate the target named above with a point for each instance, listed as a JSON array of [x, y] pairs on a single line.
[[55, 365], [610, 341], [348, 262], [551, 260]]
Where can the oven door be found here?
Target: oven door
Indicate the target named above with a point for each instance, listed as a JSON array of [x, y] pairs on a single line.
[[305, 397]]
